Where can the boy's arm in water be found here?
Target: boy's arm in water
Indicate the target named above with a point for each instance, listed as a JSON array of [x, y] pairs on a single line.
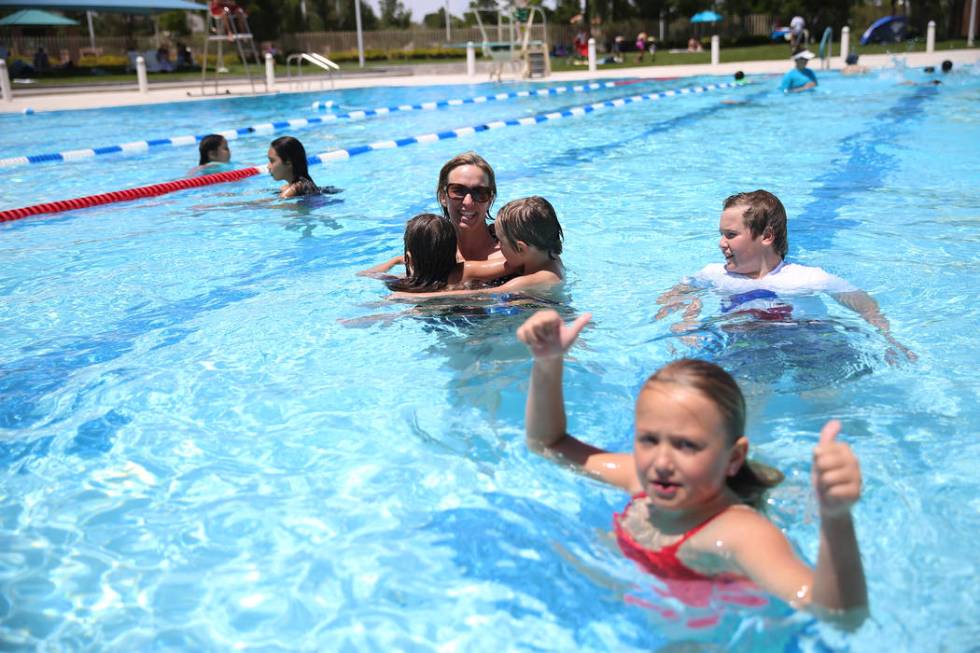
[[549, 338], [382, 268], [678, 297], [864, 305], [835, 589], [542, 279]]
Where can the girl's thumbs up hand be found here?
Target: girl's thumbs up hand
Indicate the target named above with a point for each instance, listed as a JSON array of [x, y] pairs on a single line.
[[836, 473]]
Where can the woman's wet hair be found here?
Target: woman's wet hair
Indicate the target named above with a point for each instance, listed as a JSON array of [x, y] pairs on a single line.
[[947, 66], [209, 144], [464, 159], [290, 150], [532, 220], [739, 75], [430, 254], [752, 479], [763, 212]]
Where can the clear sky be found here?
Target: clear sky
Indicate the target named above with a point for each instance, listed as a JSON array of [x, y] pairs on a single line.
[[422, 7]]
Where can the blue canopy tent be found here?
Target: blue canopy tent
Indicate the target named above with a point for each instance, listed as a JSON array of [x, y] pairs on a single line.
[[36, 18], [890, 29], [706, 17], [144, 7]]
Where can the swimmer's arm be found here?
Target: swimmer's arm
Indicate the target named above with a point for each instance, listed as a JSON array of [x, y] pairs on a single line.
[[545, 422], [805, 87], [540, 279], [674, 299], [487, 270], [382, 268], [864, 305], [292, 190]]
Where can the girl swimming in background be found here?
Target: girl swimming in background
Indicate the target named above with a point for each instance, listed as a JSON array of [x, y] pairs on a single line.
[[693, 519], [287, 162], [214, 154], [530, 239]]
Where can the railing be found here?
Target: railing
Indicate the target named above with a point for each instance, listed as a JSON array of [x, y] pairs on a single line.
[[313, 58]]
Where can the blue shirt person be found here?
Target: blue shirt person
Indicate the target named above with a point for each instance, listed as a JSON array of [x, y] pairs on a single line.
[[799, 78]]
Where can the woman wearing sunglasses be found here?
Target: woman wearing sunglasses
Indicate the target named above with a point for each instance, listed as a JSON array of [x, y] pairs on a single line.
[[466, 190]]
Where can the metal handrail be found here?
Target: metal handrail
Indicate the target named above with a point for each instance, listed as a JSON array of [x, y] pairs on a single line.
[[316, 59]]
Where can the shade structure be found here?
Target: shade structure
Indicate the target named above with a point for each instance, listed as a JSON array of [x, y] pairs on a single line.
[[35, 18], [706, 17], [120, 6]]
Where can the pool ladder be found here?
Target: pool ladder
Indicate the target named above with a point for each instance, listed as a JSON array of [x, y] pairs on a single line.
[[312, 57]]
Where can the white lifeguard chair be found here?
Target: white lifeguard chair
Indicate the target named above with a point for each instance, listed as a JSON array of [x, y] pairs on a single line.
[[233, 28], [528, 57]]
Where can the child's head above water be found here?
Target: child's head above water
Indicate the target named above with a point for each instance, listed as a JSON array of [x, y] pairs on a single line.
[[430, 254], [531, 221], [287, 160], [700, 405], [214, 149], [762, 214]]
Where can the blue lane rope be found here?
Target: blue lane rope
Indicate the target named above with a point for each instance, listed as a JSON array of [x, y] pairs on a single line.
[[295, 123], [338, 155]]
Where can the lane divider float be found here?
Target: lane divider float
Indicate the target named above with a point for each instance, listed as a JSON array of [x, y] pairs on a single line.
[[297, 123], [347, 153], [130, 194]]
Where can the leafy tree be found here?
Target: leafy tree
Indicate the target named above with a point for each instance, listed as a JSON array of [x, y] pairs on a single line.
[[394, 14], [437, 19]]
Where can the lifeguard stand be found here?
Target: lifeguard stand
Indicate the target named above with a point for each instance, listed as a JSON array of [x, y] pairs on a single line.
[[529, 56], [233, 28]]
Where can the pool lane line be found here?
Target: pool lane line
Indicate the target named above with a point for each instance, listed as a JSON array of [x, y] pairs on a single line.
[[299, 123], [129, 194], [573, 112], [340, 155]]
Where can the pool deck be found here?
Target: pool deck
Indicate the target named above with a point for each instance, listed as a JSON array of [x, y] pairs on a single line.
[[88, 97]]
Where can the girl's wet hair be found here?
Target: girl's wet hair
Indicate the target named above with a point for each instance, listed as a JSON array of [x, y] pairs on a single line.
[[290, 150], [430, 254], [209, 144], [532, 220], [752, 479], [465, 159]]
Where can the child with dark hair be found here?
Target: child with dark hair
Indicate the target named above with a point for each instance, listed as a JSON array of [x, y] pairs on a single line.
[[287, 162], [213, 149], [214, 155], [695, 519], [430, 259], [531, 242]]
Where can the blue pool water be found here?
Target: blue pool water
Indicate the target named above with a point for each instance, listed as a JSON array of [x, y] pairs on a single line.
[[213, 436]]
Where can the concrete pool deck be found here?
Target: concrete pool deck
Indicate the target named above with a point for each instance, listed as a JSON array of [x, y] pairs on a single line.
[[89, 97]]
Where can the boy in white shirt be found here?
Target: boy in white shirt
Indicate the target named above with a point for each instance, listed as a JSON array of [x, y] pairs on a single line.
[[755, 273]]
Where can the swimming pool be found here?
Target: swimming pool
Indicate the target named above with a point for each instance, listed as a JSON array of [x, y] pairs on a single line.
[[211, 442]]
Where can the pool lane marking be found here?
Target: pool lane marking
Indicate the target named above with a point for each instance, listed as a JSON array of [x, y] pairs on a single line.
[[130, 194], [573, 112], [344, 154], [298, 123]]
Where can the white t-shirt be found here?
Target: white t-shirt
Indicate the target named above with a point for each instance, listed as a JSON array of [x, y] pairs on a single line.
[[771, 293], [797, 24]]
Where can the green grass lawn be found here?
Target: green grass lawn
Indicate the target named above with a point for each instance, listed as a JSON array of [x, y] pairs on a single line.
[[775, 51], [755, 53]]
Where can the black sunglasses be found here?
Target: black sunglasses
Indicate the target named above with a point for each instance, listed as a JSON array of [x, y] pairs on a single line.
[[459, 192]]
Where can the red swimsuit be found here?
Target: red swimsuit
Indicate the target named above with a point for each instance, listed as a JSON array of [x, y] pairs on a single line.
[[690, 586]]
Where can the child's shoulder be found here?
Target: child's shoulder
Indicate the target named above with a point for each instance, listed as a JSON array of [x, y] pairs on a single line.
[[811, 277], [737, 526]]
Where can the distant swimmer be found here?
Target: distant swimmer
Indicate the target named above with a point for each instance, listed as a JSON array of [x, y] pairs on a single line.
[[287, 162], [799, 78], [214, 154]]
